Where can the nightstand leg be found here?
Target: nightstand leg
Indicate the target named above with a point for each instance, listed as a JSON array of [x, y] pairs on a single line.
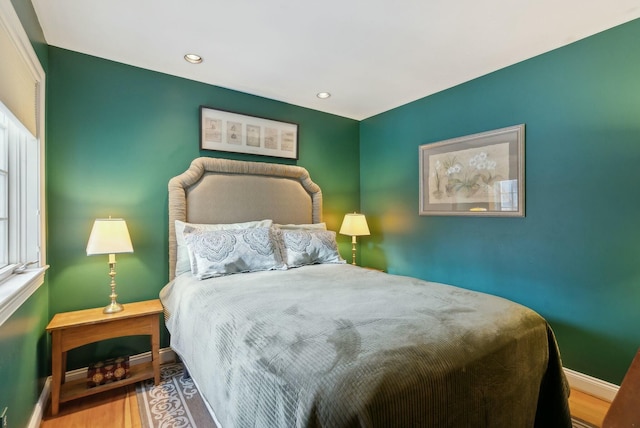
[[155, 350], [63, 368]]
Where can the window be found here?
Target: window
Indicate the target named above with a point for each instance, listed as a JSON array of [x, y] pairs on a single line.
[[19, 194], [4, 193], [22, 92]]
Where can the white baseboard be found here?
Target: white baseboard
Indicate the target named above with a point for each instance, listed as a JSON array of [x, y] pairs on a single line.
[[38, 411], [582, 382], [590, 385], [166, 356]]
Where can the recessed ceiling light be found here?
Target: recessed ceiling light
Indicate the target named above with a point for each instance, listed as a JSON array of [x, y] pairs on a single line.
[[323, 95], [193, 58]]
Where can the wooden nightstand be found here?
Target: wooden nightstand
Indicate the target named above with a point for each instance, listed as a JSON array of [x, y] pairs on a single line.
[[624, 407], [70, 330]]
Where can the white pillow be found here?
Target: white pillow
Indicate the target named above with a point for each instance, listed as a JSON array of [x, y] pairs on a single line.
[[221, 252], [301, 247], [314, 226], [182, 255]]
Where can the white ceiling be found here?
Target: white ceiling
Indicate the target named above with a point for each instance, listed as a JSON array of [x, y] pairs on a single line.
[[371, 55]]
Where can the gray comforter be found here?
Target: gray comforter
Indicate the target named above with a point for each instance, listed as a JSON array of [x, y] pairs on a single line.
[[341, 346]]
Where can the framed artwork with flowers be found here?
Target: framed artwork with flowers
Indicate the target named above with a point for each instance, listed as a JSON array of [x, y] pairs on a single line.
[[475, 175]]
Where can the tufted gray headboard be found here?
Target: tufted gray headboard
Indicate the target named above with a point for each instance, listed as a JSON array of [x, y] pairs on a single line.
[[226, 191]]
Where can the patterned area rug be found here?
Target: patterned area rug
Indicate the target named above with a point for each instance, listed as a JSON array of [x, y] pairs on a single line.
[[177, 403], [174, 403]]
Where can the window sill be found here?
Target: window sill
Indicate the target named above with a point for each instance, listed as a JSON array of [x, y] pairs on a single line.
[[17, 289]]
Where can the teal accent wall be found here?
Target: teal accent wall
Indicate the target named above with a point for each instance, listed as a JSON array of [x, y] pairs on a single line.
[[575, 257], [29, 20], [116, 135], [23, 362]]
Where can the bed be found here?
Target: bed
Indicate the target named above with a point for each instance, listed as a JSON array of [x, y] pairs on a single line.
[[311, 341]]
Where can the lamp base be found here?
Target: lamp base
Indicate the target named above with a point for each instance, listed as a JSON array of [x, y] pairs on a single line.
[[353, 250], [113, 308]]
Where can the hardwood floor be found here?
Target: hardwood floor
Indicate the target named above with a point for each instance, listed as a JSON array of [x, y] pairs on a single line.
[[587, 407], [118, 408]]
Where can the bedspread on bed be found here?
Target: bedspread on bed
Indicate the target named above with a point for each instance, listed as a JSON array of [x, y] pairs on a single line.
[[341, 346]]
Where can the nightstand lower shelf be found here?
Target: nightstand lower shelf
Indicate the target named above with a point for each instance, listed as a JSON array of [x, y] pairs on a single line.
[[78, 388]]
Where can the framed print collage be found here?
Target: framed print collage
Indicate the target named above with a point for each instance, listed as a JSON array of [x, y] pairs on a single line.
[[227, 131]]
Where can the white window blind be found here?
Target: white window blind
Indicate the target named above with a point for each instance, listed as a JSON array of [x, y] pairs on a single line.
[[18, 85]]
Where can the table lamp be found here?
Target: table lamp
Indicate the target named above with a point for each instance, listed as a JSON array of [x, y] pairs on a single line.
[[110, 236], [354, 225]]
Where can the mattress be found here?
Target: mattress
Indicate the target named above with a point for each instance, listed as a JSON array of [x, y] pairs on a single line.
[[335, 345]]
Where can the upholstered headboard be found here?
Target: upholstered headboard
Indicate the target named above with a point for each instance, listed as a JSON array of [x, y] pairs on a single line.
[[226, 191]]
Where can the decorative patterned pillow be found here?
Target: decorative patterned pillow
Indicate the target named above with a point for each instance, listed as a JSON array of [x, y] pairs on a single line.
[[301, 247], [182, 255], [221, 252], [315, 226]]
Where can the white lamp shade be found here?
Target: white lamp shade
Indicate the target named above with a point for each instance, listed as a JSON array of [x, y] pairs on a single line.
[[354, 225], [109, 236]]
